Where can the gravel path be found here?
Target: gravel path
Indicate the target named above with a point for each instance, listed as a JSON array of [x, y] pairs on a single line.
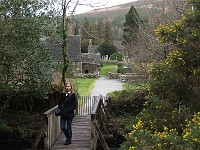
[[104, 85]]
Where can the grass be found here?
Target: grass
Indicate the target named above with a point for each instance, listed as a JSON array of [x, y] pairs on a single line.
[[85, 86], [106, 69]]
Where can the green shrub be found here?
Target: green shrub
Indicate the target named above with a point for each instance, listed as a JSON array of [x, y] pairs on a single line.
[[116, 56], [135, 86], [161, 126], [192, 131], [127, 102], [142, 138], [161, 113], [120, 64], [120, 70]]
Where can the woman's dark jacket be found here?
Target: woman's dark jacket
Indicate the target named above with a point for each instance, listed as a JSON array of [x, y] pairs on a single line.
[[70, 104]]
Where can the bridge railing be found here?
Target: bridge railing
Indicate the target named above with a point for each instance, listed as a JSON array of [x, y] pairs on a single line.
[[99, 121], [86, 104], [53, 130]]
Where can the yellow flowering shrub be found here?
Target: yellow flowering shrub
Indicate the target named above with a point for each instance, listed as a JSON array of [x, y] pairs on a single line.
[[191, 133], [161, 132], [169, 77], [171, 33], [178, 76]]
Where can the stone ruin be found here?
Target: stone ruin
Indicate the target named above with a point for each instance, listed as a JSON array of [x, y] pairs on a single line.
[[84, 64]]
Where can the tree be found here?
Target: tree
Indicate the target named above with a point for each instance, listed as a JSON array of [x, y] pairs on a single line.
[[107, 49], [116, 56], [131, 26], [25, 62], [146, 48], [65, 22]]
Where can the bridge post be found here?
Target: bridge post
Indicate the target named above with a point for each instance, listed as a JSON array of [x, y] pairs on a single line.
[[53, 130]]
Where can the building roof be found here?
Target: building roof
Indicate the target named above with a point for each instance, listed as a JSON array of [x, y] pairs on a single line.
[[73, 48]]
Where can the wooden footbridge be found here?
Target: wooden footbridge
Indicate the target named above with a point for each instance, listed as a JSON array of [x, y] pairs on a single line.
[[89, 127]]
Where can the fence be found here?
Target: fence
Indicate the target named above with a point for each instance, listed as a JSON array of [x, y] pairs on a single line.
[[86, 104]]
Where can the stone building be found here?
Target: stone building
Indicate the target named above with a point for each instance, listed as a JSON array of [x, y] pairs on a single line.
[[83, 63], [91, 60]]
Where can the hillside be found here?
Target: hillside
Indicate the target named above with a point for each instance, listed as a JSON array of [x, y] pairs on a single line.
[[116, 14]]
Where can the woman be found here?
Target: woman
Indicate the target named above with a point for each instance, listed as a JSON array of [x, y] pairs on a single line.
[[69, 100]]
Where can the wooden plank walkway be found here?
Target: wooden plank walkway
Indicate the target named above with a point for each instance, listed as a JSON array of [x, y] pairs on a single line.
[[81, 135]]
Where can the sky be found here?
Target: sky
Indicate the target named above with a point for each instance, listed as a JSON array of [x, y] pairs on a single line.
[[97, 4]]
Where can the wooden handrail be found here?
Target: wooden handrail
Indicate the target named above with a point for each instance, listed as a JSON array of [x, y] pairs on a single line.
[[53, 130], [97, 121]]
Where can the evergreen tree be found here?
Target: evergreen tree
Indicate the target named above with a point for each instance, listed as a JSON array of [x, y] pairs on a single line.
[[131, 26], [107, 49]]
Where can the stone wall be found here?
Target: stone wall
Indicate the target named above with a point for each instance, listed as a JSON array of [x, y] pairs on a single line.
[[77, 67], [133, 78], [129, 77], [95, 75], [113, 75], [91, 68]]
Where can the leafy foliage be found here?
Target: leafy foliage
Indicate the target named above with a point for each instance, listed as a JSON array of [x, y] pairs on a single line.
[[106, 49], [116, 56], [25, 62], [120, 68], [127, 102], [161, 126], [178, 77], [131, 26]]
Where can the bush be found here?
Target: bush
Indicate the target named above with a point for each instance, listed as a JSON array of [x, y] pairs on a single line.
[[161, 126], [192, 131], [170, 80], [120, 64], [120, 70], [127, 102], [24, 100], [116, 56], [142, 138], [159, 113]]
